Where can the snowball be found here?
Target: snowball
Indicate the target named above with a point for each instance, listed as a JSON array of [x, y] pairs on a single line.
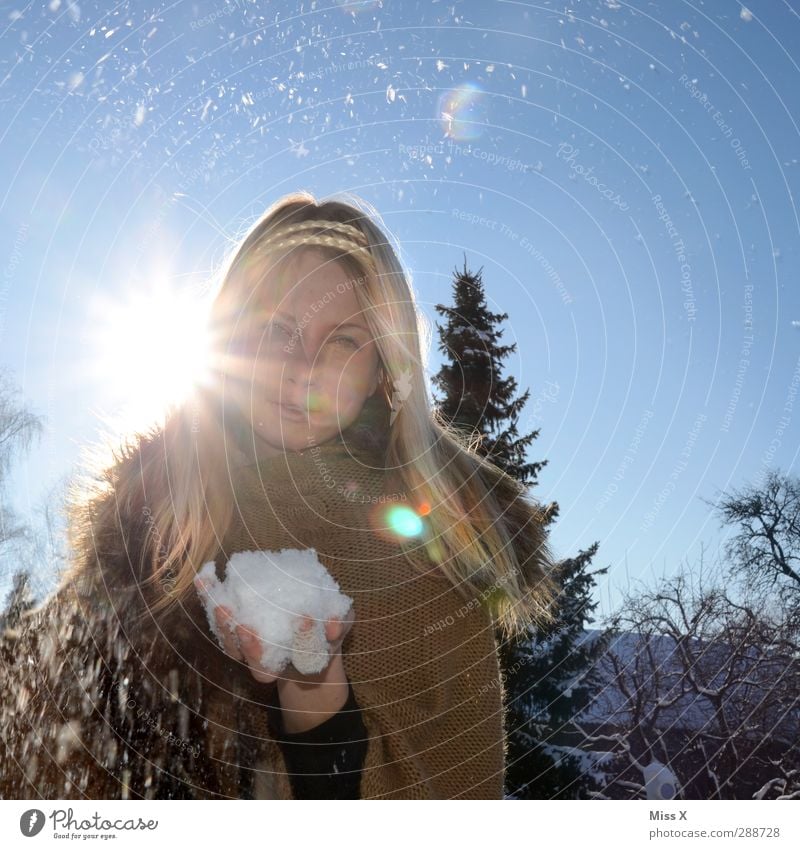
[[270, 592]]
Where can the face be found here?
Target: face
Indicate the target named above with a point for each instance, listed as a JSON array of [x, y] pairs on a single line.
[[310, 359]]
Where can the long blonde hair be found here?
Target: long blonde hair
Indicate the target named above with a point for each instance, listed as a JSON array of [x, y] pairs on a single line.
[[168, 484]]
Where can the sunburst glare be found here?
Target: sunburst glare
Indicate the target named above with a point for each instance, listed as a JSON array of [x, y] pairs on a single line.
[[150, 349]]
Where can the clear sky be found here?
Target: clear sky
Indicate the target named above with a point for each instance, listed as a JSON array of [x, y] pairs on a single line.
[[625, 173]]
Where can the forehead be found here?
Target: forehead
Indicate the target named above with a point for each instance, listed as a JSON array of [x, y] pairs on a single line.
[[310, 285]]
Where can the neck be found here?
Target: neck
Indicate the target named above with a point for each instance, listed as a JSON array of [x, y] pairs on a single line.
[[327, 480], [254, 451]]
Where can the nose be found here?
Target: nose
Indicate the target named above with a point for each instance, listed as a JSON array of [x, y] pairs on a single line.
[[299, 377], [298, 365]]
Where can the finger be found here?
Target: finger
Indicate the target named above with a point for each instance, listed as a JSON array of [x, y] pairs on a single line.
[[310, 653], [250, 644], [261, 676], [333, 629], [252, 648], [229, 640], [337, 629]]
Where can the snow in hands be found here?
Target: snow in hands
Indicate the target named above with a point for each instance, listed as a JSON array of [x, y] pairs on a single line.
[[271, 592]]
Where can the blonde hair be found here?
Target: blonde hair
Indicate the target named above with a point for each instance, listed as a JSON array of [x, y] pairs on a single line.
[[168, 484]]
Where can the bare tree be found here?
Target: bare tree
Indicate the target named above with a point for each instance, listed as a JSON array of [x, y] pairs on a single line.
[[705, 684], [766, 548], [43, 553], [786, 785], [18, 427]]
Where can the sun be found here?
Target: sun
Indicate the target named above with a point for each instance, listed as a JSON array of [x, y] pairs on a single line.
[[150, 350]]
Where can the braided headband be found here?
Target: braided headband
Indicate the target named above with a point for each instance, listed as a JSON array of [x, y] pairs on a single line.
[[345, 237]]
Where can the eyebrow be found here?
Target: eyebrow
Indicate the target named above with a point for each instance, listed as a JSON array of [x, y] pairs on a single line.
[[333, 326]]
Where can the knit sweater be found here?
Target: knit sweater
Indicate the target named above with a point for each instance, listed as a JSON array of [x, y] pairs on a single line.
[[421, 661], [101, 701]]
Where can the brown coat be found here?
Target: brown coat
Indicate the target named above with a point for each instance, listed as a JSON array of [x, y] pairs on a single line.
[[97, 705]]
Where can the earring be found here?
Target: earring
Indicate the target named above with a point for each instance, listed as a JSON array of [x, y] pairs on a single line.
[[381, 387]]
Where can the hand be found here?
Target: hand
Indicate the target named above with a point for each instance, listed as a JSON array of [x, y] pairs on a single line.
[[246, 645]]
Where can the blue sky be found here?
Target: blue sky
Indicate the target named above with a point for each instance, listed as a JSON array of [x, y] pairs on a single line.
[[625, 173]]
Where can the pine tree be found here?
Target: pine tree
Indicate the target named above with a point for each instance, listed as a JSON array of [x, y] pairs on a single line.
[[556, 682], [476, 398], [546, 675]]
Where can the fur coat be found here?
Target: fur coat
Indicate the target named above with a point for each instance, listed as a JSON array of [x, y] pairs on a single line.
[[100, 701]]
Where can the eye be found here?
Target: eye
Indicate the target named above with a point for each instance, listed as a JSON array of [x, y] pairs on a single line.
[[246, 342], [347, 340], [277, 331]]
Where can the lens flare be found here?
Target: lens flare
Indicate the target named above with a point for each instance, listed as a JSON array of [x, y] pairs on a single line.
[[463, 112], [317, 402], [150, 348], [404, 521]]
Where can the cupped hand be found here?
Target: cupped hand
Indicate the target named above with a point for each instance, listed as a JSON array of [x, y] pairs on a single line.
[[244, 644]]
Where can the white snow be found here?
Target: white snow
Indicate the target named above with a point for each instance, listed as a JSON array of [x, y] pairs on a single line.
[[67, 740], [270, 592]]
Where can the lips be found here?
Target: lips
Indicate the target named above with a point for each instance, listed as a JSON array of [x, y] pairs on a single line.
[[292, 411]]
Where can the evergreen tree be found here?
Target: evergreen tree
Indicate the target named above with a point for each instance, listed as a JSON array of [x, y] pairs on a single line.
[[476, 398], [555, 682], [546, 675]]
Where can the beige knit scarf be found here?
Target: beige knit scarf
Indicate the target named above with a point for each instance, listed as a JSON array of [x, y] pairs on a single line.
[[421, 660]]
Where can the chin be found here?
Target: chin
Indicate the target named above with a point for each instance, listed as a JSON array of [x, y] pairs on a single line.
[[296, 437]]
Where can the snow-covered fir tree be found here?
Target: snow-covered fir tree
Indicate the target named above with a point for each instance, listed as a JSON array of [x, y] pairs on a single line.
[[556, 682], [476, 398], [547, 675]]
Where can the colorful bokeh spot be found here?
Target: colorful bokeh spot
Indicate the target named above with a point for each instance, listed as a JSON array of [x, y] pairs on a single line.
[[404, 521], [462, 111], [316, 402]]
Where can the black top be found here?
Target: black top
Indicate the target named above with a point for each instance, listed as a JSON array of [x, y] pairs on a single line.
[[324, 762]]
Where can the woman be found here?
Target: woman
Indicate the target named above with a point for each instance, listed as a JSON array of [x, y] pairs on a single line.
[[315, 433]]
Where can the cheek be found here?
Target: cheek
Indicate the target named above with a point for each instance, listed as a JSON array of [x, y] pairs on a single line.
[[364, 365], [345, 364], [344, 396], [262, 383]]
